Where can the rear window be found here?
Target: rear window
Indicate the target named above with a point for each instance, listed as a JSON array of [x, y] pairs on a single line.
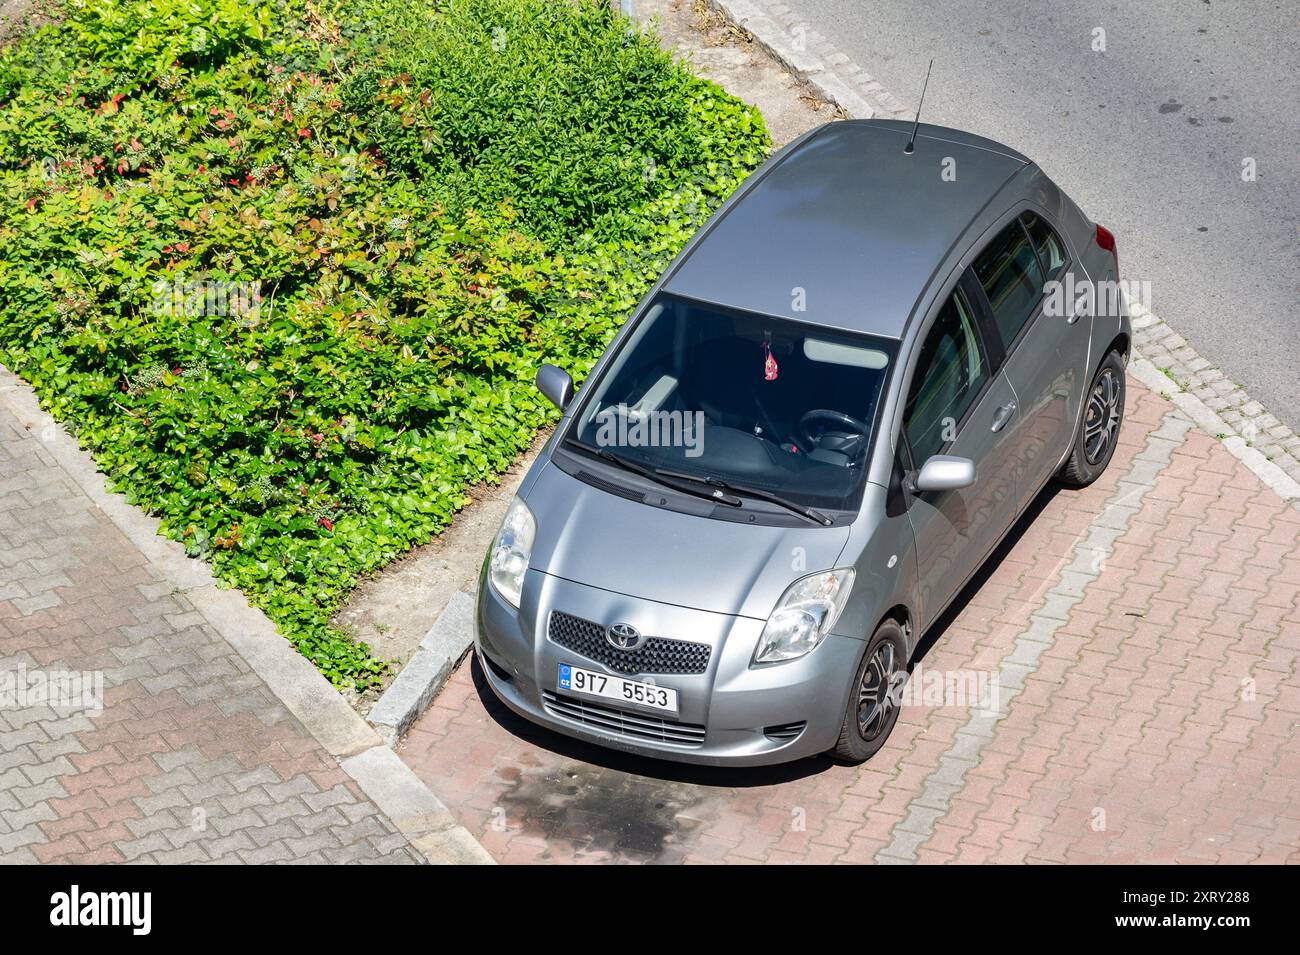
[[1008, 270], [1051, 253]]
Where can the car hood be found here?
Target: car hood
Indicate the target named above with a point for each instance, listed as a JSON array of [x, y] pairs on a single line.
[[600, 539]]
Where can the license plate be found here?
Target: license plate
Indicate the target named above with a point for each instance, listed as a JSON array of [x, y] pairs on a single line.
[[577, 680]]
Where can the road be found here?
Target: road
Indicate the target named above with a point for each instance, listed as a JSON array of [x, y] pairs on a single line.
[[1148, 136]]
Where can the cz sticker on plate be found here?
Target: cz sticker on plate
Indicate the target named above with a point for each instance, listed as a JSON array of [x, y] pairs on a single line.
[[615, 688]]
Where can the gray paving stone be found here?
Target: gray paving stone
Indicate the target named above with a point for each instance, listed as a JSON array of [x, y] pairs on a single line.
[[280, 810], [236, 844], [226, 824], [246, 799], [28, 835], [336, 796], [189, 854], [275, 852]]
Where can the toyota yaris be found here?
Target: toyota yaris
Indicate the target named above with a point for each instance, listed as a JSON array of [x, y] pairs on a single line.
[[806, 439]]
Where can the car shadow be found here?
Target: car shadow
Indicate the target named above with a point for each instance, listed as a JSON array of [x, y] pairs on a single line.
[[721, 777]]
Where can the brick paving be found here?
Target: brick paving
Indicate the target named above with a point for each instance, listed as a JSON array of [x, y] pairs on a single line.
[[191, 758], [1145, 632]]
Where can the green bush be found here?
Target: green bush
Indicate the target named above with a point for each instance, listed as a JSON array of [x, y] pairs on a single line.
[[380, 306], [544, 104], [142, 38]]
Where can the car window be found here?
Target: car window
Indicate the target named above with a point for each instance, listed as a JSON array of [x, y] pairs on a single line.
[[949, 375], [1008, 270], [753, 400], [1051, 253]]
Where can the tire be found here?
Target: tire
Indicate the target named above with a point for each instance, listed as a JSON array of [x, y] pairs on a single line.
[[1103, 414], [861, 738]]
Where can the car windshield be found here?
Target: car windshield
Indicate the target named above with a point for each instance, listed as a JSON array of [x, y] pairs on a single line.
[[763, 404]]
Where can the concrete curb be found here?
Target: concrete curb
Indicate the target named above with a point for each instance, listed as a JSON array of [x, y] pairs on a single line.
[[428, 670], [1223, 408], [1282, 484], [831, 75], [394, 788], [414, 809]]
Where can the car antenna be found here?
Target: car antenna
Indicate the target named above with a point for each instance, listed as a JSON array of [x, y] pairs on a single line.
[[911, 140]]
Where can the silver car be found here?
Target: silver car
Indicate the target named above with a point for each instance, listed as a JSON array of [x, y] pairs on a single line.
[[807, 438]]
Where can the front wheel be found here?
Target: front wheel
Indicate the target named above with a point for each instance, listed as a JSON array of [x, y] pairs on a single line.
[[872, 708], [1103, 413]]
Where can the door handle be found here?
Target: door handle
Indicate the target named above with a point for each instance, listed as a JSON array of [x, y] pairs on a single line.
[[1003, 415], [1074, 317]]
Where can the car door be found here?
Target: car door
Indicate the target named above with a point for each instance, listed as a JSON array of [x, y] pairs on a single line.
[[958, 403], [1046, 346]]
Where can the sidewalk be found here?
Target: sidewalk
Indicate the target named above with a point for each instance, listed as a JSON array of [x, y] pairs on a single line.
[[1145, 633], [189, 754]]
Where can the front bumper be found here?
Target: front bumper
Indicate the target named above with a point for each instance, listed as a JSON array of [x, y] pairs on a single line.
[[729, 714]]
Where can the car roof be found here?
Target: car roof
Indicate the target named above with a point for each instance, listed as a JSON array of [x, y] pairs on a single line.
[[849, 218]]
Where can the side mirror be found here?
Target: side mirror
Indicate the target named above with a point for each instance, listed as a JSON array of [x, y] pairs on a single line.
[[556, 384], [944, 472]]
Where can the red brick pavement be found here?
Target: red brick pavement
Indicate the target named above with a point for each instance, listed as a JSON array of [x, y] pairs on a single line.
[[1135, 738]]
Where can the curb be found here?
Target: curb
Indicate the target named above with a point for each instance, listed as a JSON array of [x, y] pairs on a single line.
[[1220, 406], [428, 670], [1281, 483], [831, 75], [391, 784]]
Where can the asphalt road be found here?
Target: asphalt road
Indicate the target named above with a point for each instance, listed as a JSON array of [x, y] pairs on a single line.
[[1149, 137]]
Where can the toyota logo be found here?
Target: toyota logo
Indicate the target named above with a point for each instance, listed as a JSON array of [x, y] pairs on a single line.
[[622, 636]]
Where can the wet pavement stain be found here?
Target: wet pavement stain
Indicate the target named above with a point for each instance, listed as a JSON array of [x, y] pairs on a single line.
[[597, 804], [603, 811]]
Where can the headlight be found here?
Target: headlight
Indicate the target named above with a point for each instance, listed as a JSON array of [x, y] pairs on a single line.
[[511, 551], [804, 615]]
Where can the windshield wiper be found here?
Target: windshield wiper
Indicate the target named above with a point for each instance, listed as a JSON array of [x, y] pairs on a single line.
[[659, 476], [810, 513]]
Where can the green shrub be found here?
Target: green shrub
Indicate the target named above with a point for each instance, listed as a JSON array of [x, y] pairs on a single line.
[[390, 303], [546, 104], [143, 38]]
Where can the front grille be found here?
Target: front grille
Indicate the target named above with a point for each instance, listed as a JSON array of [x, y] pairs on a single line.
[[656, 655], [622, 723]]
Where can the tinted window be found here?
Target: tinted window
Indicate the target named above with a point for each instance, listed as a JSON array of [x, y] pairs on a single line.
[[949, 375], [1008, 270], [1046, 243], [765, 402]]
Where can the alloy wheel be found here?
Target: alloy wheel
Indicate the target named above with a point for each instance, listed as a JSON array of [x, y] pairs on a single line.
[[875, 698], [1102, 418]]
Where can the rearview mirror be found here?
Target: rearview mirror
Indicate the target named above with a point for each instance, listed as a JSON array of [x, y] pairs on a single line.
[[556, 384], [945, 472]]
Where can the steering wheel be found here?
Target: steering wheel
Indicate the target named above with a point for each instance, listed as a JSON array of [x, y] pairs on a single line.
[[857, 429]]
